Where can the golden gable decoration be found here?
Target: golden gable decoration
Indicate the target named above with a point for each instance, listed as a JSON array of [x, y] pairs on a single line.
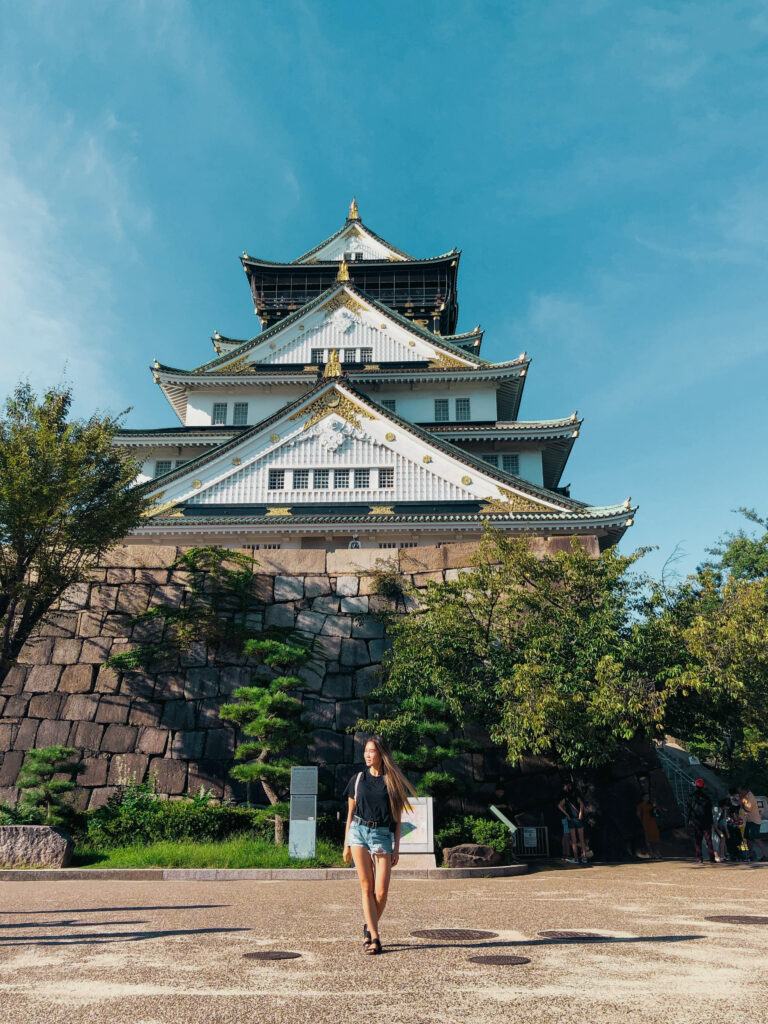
[[511, 503], [341, 301], [333, 402], [446, 362], [241, 365]]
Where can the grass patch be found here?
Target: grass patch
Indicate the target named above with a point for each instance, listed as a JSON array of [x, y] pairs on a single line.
[[240, 852]]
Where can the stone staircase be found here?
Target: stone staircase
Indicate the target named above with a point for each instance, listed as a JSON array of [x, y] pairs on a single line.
[[682, 775]]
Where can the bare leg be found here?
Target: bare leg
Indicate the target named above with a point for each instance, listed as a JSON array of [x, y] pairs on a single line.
[[574, 844], [364, 866], [383, 874], [580, 838]]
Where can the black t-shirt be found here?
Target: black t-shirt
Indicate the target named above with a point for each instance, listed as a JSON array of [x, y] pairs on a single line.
[[700, 808], [372, 797]]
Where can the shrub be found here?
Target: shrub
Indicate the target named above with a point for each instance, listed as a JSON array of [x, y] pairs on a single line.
[[469, 829]]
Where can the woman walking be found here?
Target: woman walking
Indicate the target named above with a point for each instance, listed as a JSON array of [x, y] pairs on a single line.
[[377, 798], [572, 809]]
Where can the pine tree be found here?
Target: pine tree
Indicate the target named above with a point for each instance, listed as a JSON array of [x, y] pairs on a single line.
[[270, 719], [42, 795]]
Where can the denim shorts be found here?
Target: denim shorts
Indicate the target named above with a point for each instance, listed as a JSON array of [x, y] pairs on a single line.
[[375, 840]]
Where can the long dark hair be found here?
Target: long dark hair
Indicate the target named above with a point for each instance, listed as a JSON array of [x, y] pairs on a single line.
[[398, 787]]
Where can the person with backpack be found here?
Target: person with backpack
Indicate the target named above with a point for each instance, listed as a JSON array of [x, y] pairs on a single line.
[[376, 799], [699, 816]]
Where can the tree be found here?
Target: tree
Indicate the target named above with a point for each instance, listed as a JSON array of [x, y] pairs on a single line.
[[543, 652], [743, 556], [41, 792], [270, 719], [66, 495]]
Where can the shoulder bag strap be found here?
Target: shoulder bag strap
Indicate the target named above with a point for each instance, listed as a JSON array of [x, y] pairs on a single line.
[[357, 784]]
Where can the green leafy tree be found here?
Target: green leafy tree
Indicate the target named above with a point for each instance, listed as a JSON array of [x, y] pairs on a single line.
[[270, 719], [66, 495], [543, 652], [42, 793], [742, 555]]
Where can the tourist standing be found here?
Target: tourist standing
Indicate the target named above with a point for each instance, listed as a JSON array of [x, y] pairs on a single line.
[[647, 812], [753, 821], [376, 799], [700, 819], [572, 808]]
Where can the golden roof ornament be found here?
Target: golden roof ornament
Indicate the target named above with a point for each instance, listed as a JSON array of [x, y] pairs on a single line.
[[333, 366], [353, 211], [343, 274]]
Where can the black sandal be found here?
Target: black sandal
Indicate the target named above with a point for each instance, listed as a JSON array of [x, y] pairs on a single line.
[[367, 940], [374, 948]]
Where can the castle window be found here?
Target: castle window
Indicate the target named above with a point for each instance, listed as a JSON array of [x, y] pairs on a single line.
[[510, 464], [318, 356], [492, 460], [362, 477], [366, 355], [162, 466], [180, 462], [441, 410], [347, 355], [341, 478], [387, 477], [240, 417], [320, 479], [300, 479], [276, 480], [219, 412], [462, 409], [389, 403]]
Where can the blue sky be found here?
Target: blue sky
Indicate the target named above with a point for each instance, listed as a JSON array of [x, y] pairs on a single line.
[[603, 167]]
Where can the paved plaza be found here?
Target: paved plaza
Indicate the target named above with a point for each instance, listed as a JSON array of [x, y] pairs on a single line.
[[173, 952]]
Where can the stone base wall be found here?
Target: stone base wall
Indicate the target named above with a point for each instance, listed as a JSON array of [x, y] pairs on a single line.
[[129, 724]]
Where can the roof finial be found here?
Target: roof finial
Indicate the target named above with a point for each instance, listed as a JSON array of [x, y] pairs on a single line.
[[333, 366], [353, 211], [343, 274]]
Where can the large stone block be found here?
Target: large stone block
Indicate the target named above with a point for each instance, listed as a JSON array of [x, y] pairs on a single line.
[[14, 680], [87, 736], [288, 588], [366, 679], [119, 739], [367, 628], [317, 586], [196, 654], [178, 715], [170, 595], [354, 561], [309, 622], [89, 623], [107, 680], [327, 605], [347, 586], [138, 685], [59, 624], [52, 734], [6, 737], [421, 579], [25, 734], [101, 796], [80, 707], [96, 650], [327, 747], [154, 577], [117, 625], [16, 705], [37, 846], [339, 625], [145, 712], [320, 714], [201, 683], [103, 597], [347, 714], [220, 744], [36, 651], [426, 559], [188, 745], [121, 575], [66, 651], [171, 775], [376, 649], [326, 648], [9, 770], [74, 597], [170, 685], [133, 598], [337, 686], [312, 680], [354, 605], [152, 741], [77, 678], [44, 705], [280, 615], [95, 773], [144, 556], [354, 653], [208, 775], [291, 562], [127, 768], [113, 708], [470, 855], [232, 677], [42, 678]]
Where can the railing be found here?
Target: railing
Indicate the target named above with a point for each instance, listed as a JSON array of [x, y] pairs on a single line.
[[681, 782]]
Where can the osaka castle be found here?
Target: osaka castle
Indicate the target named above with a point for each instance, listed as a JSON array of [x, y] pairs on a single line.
[[356, 417]]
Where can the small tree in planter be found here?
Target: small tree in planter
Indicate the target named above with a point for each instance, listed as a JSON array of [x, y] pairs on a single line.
[[270, 719], [42, 794]]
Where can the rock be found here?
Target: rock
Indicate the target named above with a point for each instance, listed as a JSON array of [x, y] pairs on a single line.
[[36, 846], [470, 855]]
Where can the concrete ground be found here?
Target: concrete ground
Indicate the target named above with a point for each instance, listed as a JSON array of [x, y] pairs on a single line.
[[172, 952]]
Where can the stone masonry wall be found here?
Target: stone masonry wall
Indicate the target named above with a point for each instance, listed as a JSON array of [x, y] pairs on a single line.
[[129, 724]]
